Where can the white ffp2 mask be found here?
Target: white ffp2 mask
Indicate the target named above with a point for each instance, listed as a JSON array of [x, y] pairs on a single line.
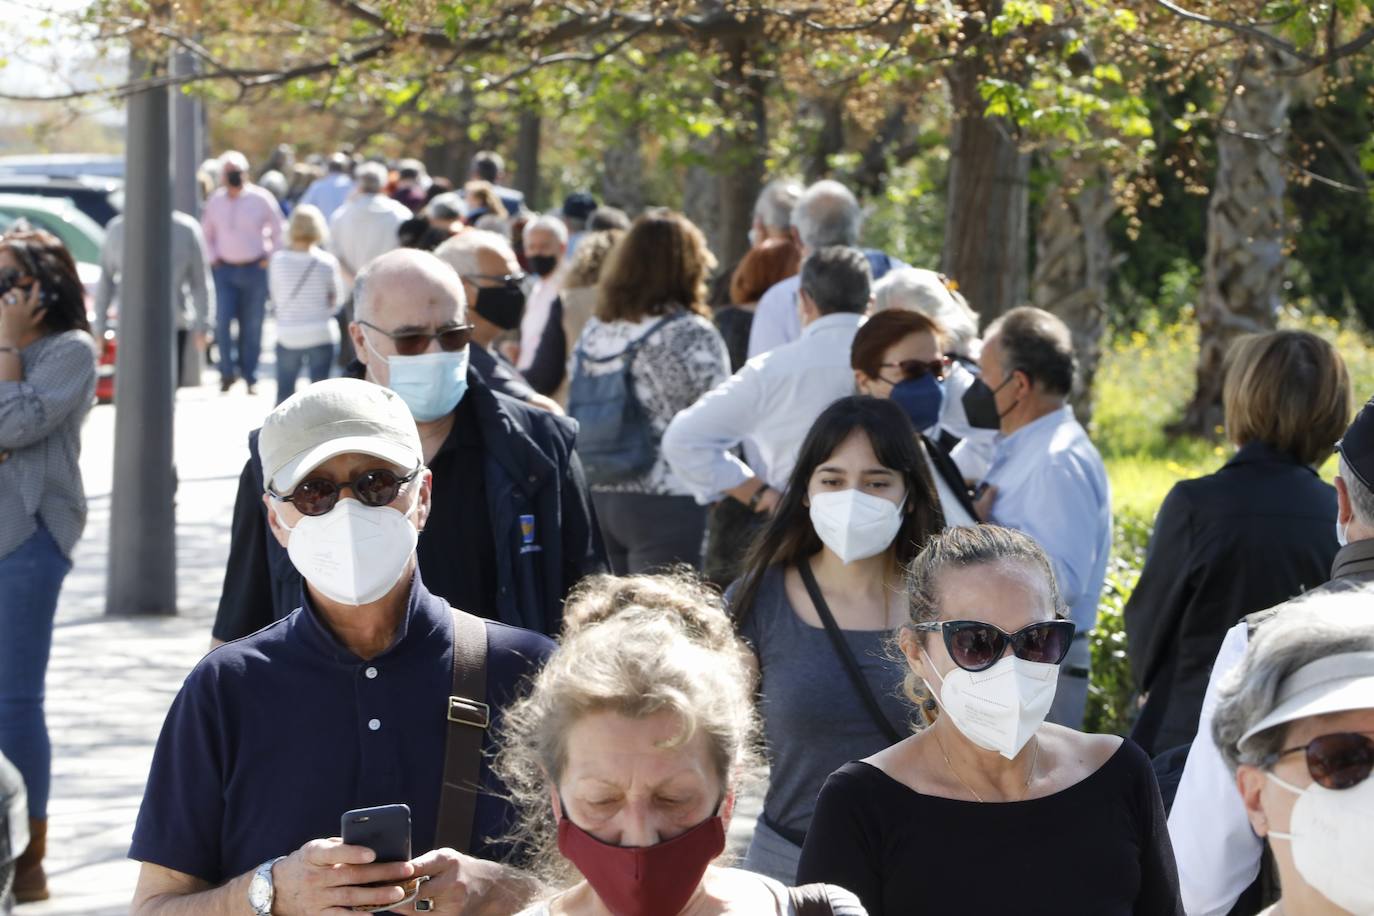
[[855, 525], [1332, 836], [998, 709], [353, 553]]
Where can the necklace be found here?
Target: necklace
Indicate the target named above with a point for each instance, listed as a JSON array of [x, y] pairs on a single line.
[[1035, 757]]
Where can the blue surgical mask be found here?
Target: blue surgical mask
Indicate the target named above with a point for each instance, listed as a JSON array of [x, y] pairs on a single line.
[[921, 398], [431, 384]]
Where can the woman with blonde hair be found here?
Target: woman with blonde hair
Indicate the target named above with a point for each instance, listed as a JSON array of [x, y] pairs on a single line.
[[628, 755], [1252, 535], [307, 289], [649, 352]]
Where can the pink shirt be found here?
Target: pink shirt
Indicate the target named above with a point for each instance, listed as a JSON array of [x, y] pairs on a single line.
[[243, 229]]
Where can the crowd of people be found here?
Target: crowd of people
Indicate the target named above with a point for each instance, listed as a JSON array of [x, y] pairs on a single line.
[[573, 533]]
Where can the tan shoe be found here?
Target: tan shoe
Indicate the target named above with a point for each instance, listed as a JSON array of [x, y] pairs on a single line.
[[30, 881]]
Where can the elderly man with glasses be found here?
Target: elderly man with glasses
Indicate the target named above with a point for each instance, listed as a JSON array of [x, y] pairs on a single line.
[[372, 692], [512, 528]]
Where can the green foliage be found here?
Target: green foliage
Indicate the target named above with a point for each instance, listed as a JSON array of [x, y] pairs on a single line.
[[1110, 693]]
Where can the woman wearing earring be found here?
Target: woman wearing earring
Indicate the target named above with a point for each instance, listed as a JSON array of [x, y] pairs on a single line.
[[819, 601], [976, 814]]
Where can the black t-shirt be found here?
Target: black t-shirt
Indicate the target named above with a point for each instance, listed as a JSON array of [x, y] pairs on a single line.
[[456, 551], [1098, 848]]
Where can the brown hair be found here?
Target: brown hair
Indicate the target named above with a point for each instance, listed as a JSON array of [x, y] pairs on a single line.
[[883, 330], [42, 256], [589, 260], [485, 195], [662, 261], [761, 267], [1289, 390]]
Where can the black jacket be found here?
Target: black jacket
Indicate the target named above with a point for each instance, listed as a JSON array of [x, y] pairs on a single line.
[[1257, 532], [534, 483]]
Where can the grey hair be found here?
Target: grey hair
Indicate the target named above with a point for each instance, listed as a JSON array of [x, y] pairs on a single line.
[[837, 279], [461, 251], [487, 165], [370, 177], [1303, 631], [448, 205], [549, 223], [1037, 343], [775, 203], [233, 158], [403, 260], [1361, 497], [918, 290], [827, 214]]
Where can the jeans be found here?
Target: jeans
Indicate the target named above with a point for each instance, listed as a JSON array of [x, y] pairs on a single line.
[[647, 532], [30, 579], [318, 361], [240, 295]]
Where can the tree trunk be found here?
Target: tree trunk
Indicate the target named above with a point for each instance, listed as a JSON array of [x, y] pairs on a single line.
[[622, 182], [985, 226], [1243, 272], [829, 139], [1073, 261], [527, 157], [741, 152]]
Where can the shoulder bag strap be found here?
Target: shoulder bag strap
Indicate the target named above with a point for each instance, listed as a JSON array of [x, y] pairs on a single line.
[[468, 719], [305, 276], [628, 353], [851, 665], [811, 900]]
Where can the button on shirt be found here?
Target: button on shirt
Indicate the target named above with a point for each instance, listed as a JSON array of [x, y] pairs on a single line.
[[273, 737], [1052, 485], [242, 229], [771, 402]]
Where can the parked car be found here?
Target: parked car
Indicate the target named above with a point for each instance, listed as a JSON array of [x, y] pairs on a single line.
[[64, 165], [99, 198]]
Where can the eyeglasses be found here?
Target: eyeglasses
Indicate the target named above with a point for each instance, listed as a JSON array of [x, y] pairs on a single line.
[[374, 488], [916, 368], [413, 343], [1336, 761], [977, 646]]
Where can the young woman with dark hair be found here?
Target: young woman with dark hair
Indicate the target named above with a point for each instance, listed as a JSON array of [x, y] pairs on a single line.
[[47, 382], [819, 601]]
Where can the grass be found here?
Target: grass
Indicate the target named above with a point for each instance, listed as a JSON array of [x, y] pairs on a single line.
[[1143, 384]]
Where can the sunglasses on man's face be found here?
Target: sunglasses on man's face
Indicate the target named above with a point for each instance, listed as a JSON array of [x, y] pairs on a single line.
[[977, 646], [375, 488], [910, 369], [1340, 760], [413, 343]]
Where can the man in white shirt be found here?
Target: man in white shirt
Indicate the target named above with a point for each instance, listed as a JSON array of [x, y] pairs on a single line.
[[1218, 853], [775, 398], [1046, 478], [545, 240], [826, 214], [365, 227]]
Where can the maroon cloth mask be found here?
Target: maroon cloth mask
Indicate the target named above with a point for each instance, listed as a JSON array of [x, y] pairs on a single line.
[[653, 880]]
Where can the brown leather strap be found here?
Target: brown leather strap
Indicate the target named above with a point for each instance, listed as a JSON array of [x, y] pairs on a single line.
[[468, 718]]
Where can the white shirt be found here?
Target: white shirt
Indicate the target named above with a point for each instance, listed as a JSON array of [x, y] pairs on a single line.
[[776, 319], [772, 401], [1218, 853], [538, 308], [973, 454], [956, 516], [1052, 485], [365, 228], [306, 289]]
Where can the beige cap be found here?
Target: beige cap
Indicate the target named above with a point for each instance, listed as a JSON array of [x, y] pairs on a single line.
[[338, 416], [1336, 683]]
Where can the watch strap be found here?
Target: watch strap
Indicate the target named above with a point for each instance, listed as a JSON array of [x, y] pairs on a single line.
[[263, 874]]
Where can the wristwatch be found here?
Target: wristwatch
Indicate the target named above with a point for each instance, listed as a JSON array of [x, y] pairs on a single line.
[[753, 504], [260, 891]]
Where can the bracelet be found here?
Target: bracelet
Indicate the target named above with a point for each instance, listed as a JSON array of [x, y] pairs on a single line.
[[754, 500]]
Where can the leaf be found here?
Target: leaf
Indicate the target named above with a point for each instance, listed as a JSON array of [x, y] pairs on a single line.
[[1126, 20]]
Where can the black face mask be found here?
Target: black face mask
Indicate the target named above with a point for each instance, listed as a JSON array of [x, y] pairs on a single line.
[[980, 405], [543, 264], [503, 306], [234, 179]]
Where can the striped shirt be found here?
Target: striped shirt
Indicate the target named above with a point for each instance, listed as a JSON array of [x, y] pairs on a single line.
[[307, 289], [40, 441]]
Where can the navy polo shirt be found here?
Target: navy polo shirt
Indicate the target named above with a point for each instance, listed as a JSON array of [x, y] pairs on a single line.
[[273, 737]]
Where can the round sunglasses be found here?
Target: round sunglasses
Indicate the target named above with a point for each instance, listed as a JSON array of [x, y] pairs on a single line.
[[911, 369], [413, 343], [977, 646], [375, 488], [1340, 760]]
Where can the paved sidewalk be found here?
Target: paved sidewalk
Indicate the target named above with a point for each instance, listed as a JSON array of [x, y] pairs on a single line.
[[112, 678]]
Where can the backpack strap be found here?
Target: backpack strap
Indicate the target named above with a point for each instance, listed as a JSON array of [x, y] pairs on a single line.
[[633, 346], [811, 900], [468, 719]]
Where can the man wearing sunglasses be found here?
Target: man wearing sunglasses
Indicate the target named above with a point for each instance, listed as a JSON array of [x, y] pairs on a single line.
[[1219, 855], [1046, 477], [1295, 724], [273, 738], [512, 528]]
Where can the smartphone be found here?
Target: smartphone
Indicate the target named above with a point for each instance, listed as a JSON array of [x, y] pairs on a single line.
[[384, 829]]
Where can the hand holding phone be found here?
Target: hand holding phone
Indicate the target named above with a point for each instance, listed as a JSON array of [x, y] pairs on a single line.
[[386, 831]]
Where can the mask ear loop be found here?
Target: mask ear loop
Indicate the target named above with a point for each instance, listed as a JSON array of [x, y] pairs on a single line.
[[1291, 788]]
